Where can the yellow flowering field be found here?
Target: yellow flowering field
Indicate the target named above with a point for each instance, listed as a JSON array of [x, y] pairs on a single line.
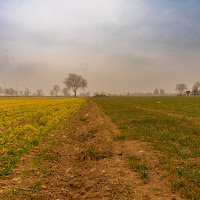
[[25, 121]]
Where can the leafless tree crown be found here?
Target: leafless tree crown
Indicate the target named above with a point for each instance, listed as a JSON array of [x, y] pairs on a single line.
[[56, 89], [74, 82], [181, 87]]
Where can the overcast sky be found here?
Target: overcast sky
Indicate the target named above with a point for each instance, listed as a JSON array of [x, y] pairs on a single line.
[[135, 45]]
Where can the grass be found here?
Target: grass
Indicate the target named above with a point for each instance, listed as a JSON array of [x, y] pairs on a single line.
[[44, 171], [120, 137], [82, 119], [172, 127], [24, 122], [36, 160], [29, 171], [93, 130], [37, 184], [138, 164], [92, 153], [13, 191]]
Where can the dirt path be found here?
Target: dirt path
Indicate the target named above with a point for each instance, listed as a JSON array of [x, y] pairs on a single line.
[[83, 161]]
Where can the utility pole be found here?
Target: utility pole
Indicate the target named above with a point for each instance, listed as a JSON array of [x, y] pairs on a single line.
[[17, 89], [4, 88], [25, 91]]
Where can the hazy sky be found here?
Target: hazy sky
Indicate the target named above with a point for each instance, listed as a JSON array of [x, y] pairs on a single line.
[[135, 45]]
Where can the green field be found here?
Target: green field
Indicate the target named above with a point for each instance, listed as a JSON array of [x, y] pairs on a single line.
[[24, 122], [171, 125]]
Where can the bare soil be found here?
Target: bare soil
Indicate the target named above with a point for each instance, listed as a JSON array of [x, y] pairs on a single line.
[[83, 161]]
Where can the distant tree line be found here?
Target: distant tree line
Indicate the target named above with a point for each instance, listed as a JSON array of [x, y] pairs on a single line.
[[181, 88], [160, 92], [73, 82], [26, 92], [56, 89], [8, 91]]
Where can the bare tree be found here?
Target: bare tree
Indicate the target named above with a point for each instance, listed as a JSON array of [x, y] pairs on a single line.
[[74, 82], [96, 94], [16, 93], [162, 92], [103, 94], [51, 93], [181, 87], [156, 91], [87, 94], [56, 89], [21, 93], [6, 92], [1, 90], [39, 93], [195, 88], [9, 92], [27, 92], [65, 92]]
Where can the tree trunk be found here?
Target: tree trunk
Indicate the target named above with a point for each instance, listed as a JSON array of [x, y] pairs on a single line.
[[75, 93]]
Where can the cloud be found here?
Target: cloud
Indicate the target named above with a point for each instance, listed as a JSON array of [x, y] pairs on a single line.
[[132, 37]]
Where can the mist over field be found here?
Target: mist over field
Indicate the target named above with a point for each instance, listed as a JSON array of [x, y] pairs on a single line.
[[134, 130], [116, 45]]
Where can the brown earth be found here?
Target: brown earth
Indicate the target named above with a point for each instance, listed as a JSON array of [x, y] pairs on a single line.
[[83, 161]]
